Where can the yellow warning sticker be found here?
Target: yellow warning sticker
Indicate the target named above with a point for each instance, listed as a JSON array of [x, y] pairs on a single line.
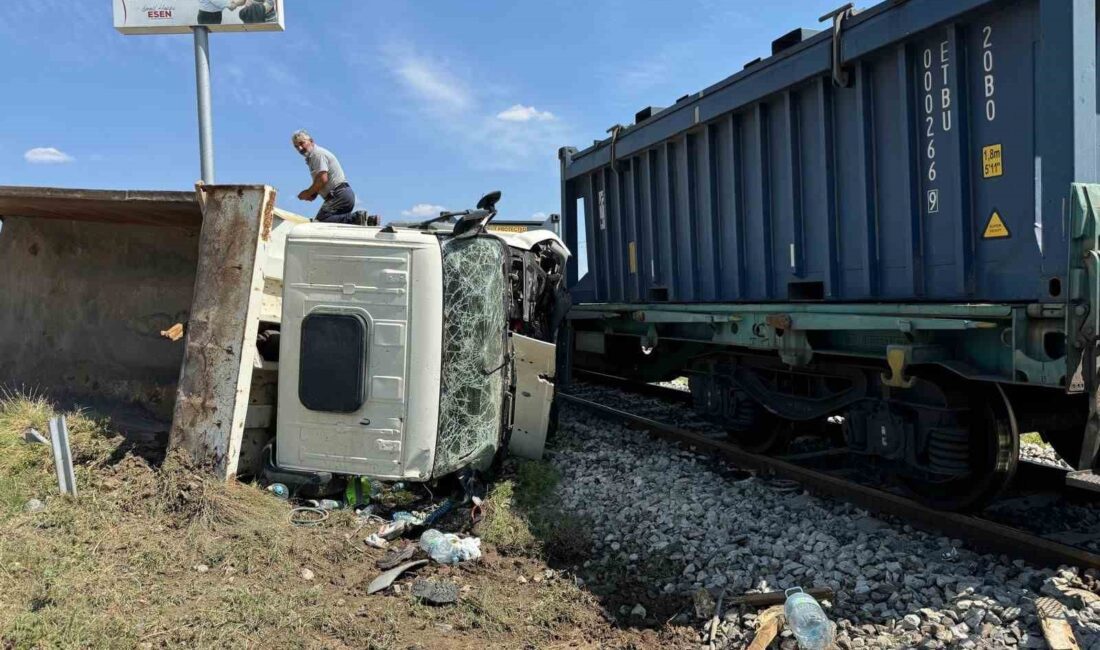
[[995, 228], [507, 227], [633, 257], [992, 162]]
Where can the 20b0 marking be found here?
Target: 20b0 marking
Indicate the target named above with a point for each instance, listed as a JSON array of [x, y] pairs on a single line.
[[988, 80]]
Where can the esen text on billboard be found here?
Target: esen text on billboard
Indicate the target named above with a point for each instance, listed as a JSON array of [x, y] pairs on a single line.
[[179, 16]]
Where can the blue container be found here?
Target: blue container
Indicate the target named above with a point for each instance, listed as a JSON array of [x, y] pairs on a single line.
[[933, 164]]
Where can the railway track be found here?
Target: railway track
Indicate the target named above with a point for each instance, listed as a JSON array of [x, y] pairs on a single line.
[[981, 532]]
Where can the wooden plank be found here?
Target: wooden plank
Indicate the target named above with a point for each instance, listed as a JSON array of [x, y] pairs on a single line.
[[1056, 629], [768, 626], [212, 397]]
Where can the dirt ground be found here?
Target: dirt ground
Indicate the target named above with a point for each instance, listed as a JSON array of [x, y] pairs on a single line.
[[158, 555]]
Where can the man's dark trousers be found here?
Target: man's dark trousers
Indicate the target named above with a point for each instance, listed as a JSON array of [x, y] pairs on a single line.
[[338, 206]]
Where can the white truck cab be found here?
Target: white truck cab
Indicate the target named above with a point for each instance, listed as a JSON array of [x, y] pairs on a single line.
[[399, 348]]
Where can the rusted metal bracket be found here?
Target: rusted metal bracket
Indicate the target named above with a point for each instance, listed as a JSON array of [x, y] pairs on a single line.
[[838, 16]]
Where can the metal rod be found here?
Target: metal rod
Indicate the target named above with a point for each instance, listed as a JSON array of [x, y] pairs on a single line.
[[202, 86], [62, 455]]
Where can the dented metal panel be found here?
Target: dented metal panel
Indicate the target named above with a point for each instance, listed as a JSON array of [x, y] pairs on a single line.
[[535, 363], [212, 397]]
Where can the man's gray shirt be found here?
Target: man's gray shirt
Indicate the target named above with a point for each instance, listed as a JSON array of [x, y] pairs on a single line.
[[321, 160]]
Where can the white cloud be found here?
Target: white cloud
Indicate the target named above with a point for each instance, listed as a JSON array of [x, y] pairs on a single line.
[[47, 156], [443, 100], [521, 113], [424, 210], [428, 81], [538, 216]]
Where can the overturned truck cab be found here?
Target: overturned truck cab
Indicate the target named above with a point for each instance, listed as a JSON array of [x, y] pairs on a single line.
[[412, 353]]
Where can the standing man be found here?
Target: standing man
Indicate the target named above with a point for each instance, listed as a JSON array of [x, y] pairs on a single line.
[[328, 181]]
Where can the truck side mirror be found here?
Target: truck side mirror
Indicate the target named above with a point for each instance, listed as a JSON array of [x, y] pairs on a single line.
[[489, 201]]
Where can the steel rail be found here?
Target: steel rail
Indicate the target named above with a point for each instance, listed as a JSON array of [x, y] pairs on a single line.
[[649, 390], [981, 533]]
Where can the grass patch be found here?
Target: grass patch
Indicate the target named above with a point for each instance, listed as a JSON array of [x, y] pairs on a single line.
[[522, 516], [26, 470], [1033, 438], [167, 556]]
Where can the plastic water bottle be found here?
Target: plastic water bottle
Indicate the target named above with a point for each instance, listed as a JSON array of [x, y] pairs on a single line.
[[279, 490], [812, 629]]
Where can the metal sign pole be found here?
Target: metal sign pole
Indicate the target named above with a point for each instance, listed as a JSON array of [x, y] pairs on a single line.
[[202, 84]]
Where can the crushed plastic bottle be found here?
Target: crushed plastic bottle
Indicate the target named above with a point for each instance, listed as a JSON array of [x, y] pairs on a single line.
[[812, 629], [279, 490], [448, 548]]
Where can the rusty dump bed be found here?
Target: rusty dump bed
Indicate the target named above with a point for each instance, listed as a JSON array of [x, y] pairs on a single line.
[[91, 279]]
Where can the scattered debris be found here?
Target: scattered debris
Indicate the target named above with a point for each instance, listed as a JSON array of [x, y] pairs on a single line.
[[638, 611], [435, 592], [812, 629], [34, 505], [393, 530], [32, 436], [409, 518], [396, 556], [712, 631], [439, 513], [769, 623], [359, 492], [386, 579], [201, 568], [1056, 629], [375, 541], [279, 490], [448, 548], [173, 333], [308, 516], [307, 574], [951, 554]]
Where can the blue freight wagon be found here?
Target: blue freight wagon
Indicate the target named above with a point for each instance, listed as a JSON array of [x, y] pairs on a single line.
[[891, 220]]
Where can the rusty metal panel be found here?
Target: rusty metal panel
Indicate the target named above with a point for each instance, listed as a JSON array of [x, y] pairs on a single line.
[[88, 283], [212, 398], [153, 208]]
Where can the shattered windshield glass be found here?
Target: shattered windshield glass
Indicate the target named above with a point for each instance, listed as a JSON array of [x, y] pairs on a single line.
[[474, 325]]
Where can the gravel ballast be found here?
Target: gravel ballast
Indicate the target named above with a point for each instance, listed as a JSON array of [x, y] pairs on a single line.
[[666, 524]]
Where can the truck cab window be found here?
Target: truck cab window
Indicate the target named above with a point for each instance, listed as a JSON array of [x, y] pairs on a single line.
[[332, 373]]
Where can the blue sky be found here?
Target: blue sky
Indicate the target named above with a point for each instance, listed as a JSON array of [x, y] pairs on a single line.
[[427, 104]]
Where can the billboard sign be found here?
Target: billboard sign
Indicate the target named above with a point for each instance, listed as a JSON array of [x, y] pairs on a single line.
[[179, 16]]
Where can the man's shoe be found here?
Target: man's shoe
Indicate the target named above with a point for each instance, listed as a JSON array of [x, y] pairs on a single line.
[[359, 218]]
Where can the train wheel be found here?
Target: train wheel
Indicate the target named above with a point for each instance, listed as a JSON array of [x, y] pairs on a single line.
[[994, 453], [767, 435]]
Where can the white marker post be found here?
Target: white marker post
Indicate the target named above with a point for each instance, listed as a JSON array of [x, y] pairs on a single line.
[[200, 17]]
